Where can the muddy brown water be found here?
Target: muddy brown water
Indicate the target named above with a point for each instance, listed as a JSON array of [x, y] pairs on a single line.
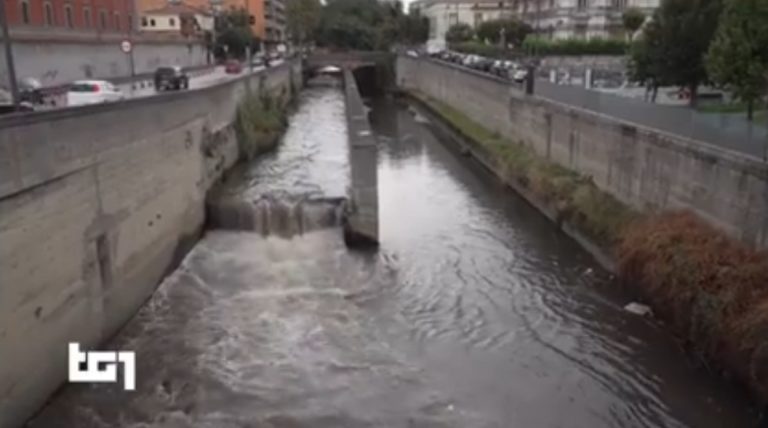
[[475, 311]]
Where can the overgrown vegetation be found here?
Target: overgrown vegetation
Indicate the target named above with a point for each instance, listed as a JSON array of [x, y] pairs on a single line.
[[713, 289], [261, 119], [368, 25], [576, 198], [482, 49], [597, 46]]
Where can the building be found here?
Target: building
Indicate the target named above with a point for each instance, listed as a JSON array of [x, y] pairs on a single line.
[[563, 19], [269, 15], [557, 19], [70, 16], [274, 21], [177, 18], [443, 14]]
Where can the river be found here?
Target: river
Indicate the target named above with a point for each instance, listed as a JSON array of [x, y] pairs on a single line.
[[474, 312]]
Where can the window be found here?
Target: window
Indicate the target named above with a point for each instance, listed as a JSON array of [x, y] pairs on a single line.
[[130, 23], [102, 19], [49, 14], [151, 22], [620, 4], [117, 21], [24, 11], [582, 4], [87, 17], [551, 4], [144, 21], [68, 16], [171, 22], [453, 19], [478, 19]]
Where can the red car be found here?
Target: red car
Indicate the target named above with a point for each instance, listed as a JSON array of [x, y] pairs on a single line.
[[233, 67]]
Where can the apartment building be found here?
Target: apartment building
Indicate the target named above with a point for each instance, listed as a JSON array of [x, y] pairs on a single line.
[[557, 19]]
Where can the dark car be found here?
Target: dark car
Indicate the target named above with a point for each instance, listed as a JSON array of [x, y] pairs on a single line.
[[171, 78]]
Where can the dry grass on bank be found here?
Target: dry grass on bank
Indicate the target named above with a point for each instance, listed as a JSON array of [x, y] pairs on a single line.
[[712, 288]]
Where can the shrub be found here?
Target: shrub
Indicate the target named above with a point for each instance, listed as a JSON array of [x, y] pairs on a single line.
[[714, 289], [575, 46], [260, 121]]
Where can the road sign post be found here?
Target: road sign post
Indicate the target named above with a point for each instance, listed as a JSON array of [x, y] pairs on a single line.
[[127, 47]]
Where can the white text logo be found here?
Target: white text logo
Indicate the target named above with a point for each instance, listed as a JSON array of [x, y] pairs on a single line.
[[101, 366]]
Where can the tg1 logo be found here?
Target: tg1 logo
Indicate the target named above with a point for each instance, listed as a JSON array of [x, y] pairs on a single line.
[[102, 366]]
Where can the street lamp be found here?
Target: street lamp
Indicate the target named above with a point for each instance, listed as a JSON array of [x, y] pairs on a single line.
[[9, 57]]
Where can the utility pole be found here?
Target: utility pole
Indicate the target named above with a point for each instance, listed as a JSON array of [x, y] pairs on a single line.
[[9, 58], [250, 46]]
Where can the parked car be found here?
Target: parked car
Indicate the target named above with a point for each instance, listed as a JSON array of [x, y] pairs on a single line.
[[257, 62], [519, 75], [171, 78], [233, 67], [31, 91], [84, 92]]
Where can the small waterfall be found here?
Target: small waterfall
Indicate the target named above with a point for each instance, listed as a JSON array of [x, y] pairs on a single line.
[[273, 216]]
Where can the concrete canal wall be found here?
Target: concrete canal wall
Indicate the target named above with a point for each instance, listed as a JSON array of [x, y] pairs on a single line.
[[644, 168], [97, 203], [362, 220]]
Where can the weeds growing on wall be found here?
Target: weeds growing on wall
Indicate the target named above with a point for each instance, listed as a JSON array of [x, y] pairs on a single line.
[[261, 119], [576, 198]]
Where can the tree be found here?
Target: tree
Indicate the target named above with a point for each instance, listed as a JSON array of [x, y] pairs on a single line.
[[738, 56], [368, 24], [515, 31], [234, 33], [459, 33], [632, 18], [303, 17], [677, 41], [350, 24]]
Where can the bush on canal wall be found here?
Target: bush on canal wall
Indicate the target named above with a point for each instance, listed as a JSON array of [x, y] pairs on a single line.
[[712, 289], [261, 120]]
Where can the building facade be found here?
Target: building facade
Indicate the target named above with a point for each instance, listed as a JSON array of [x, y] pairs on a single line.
[[557, 19], [81, 16], [269, 15], [177, 18], [443, 14], [583, 19]]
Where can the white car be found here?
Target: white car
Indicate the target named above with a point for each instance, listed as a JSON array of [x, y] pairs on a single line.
[[84, 92]]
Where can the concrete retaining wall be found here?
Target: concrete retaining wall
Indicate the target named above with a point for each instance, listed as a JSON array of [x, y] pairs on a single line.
[[58, 63], [645, 168], [96, 204], [362, 220]]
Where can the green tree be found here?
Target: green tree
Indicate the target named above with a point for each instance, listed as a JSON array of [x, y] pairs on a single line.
[[459, 33], [677, 41], [515, 31], [234, 33], [302, 19], [738, 56], [632, 18], [350, 24]]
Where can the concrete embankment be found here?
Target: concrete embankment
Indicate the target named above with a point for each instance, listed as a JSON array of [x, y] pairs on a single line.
[[646, 169], [97, 203], [362, 219], [603, 180]]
